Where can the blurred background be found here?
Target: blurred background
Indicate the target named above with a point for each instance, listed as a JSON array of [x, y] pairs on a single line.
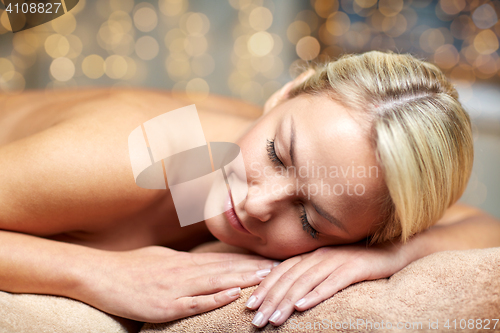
[[249, 48]]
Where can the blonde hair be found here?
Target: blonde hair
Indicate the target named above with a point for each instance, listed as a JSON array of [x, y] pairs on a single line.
[[420, 132]]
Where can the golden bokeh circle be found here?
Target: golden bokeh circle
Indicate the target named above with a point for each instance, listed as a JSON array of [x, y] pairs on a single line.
[[338, 23], [197, 89], [486, 42], [145, 19], [260, 43], [93, 66], [7, 69], [390, 7], [296, 30], [56, 46], [260, 18], [64, 24], [307, 48], [446, 56], [62, 69], [195, 24], [325, 7], [75, 46], [146, 48], [15, 84], [431, 40], [115, 66], [452, 7], [171, 8]]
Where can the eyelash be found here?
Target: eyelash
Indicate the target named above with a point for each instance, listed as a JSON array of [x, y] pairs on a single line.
[[306, 226]]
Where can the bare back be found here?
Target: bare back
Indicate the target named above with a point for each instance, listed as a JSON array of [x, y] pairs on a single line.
[[66, 174]]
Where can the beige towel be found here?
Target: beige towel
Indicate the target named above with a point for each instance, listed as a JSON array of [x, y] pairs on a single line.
[[434, 290], [28, 313]]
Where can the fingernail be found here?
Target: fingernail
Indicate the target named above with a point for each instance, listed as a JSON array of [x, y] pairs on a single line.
[[300, 302], [251, 301], [276, 263], [276, 315], [234, 291], [257, 320], [263, 273]]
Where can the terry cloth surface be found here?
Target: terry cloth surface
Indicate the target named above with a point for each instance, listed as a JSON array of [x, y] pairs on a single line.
[[443, 286], [28, 313]]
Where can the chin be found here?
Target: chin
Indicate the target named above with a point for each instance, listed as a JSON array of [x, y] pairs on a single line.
[[217, 228]]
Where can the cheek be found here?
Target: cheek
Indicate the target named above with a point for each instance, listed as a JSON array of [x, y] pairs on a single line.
[[283, 245], [216, 227]]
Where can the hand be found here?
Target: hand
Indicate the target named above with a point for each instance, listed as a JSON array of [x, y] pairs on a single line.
[[156, 284], [304, 281]]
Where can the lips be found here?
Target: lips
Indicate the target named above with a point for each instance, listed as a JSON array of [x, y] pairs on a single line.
[[231, 216]]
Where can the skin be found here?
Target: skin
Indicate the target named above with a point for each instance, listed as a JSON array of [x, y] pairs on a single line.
[[49, 223], [272, 218]]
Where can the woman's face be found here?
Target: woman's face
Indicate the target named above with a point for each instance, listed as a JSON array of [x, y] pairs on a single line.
[[312, 181]]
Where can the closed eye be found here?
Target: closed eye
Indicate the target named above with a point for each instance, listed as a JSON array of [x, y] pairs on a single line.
[[271, 152], [306, 226]]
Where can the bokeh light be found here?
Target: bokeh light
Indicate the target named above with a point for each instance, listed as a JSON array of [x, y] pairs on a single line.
[[56, 46], [93, 66], [260, 18], [197, 89], [338, 23], [484, 16], [65, 24], [308, 48], [115, 66], [146, 48], [260, 43], [145, 19], [486, 42], [244, 47], [62, 69]]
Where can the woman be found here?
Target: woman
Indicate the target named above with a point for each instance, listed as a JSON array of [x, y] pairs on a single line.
[[74, 223]]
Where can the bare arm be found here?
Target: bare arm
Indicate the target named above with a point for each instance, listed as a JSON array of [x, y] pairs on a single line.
[[29, 264], [75, 174], [302, 282], [462, 227]]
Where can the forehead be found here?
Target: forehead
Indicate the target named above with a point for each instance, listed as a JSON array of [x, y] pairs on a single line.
[[327, 131], [333, 145]]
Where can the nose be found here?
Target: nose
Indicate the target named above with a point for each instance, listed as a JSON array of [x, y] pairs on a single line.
[[265, 199]]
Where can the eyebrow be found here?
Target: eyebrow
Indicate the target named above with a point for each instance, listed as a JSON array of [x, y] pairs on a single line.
[[332, 219]]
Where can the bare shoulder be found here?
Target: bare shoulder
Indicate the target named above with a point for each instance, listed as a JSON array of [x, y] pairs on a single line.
[[460, 211], [153, 101], [64, 103], [64, 158]]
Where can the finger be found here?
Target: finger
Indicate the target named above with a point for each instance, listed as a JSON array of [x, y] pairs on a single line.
[[188, 306], [278, 304], [204, 258], [302, 286], [259, 294], [235, 266], [341, 278], [209, 284]]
